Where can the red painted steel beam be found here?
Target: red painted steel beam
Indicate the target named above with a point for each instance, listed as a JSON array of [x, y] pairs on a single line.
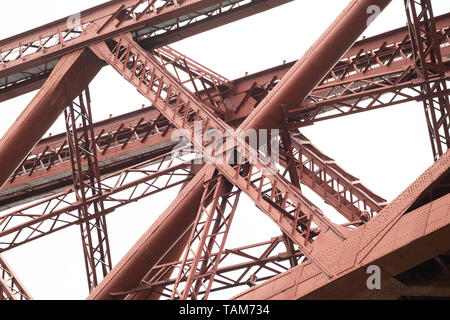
[[123, 141], [65, 83], [398, 238], [333, 184], [25, 86], [314, 65], [11, 288], [330, 47], [26, 55], [155, 243], [120, 188]]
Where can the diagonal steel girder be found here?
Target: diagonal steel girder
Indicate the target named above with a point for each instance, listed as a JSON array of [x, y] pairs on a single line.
[[87, 182], [413, 228], [29, 57], [170, 98], [45, 107], [340, 92], [142, 75], [10, 286]]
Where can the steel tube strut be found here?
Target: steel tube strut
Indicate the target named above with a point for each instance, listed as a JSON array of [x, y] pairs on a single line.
[[152, 23], [314, 66], [45, 108], [174, 254]]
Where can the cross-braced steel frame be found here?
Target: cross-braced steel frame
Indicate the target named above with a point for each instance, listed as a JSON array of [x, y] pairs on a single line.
[[94, 169]]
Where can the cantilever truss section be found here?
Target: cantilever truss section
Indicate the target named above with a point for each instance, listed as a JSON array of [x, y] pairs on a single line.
[[243, 266], [82, 176], [10, 286], [284, 204]]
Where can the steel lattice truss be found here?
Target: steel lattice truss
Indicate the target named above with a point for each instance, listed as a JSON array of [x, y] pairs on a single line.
[[93, 169]]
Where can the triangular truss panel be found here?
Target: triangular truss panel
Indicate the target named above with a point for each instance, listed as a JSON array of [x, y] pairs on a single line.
[[217, 141]]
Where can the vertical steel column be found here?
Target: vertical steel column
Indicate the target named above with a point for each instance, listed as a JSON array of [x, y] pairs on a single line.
[[87, 183], [428, 59]]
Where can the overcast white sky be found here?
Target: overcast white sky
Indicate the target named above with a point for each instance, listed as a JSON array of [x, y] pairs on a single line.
[[386, 149]]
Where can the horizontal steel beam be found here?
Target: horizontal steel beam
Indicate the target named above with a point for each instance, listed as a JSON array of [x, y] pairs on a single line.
[[27, 58], [121, 141], [79, 68], [119, 189], [326, 178]]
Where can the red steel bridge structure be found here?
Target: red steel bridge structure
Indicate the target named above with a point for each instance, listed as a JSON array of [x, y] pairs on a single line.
[[76, 178]]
